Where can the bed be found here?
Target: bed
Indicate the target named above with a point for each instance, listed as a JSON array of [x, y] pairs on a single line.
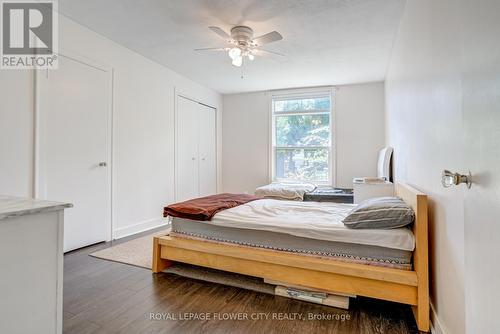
[[385, 264]]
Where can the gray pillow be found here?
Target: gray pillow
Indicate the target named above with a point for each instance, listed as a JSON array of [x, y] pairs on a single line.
[[380, 213]]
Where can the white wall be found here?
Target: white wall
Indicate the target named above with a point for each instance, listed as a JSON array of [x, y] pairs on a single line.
[[245, 142], [359, 123], [16, 132], [143, 97], [424, 125]]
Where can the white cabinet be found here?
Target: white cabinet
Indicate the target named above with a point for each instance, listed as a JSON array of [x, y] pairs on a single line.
[[31, 258], [196, 163]]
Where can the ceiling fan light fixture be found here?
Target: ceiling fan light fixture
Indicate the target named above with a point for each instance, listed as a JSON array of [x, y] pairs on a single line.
[[237, 61], [242, 43], [234, 53]]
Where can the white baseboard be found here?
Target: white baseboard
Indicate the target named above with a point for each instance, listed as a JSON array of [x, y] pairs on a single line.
[[139, 227], [437, 326]]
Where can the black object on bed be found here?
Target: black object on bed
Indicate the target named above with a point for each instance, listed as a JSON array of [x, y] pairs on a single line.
[[329, 194]]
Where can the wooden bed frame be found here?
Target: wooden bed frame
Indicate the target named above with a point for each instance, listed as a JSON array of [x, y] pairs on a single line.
[[403, 286]]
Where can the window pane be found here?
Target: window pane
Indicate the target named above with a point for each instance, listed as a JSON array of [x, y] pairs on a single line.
[[303, 130], [302, 164], [319, 103]]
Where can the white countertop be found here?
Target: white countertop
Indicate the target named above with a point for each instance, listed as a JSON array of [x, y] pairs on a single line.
[[11, 206]]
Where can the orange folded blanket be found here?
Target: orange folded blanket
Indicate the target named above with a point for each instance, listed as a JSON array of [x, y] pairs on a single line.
[[204, 208]]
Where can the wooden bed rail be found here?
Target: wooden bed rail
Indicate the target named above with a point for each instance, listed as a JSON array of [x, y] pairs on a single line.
[[418, 202], [377, 282]]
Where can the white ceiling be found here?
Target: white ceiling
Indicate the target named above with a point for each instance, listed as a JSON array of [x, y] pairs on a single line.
[[327, 42]]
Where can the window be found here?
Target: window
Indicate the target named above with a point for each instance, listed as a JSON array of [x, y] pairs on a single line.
[[301, 133]]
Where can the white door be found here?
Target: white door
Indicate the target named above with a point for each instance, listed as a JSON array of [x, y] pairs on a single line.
[[481, 115], [74, 109], [187, 149], [207, 151]]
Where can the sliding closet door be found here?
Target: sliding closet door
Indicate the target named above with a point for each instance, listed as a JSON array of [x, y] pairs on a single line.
[[187, 149], [207, 151]]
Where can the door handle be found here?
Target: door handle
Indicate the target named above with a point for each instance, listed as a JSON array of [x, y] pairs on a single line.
[[203, 159], [102, 164]]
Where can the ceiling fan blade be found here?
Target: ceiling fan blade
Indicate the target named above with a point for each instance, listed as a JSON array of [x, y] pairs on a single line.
[[220, 32], [210, 49], [271, 52], [273, 36]]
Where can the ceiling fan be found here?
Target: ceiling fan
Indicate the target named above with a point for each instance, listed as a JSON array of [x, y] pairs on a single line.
[[241, 43]]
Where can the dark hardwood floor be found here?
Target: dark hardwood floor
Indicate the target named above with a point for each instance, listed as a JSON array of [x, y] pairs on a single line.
[[107, 297]]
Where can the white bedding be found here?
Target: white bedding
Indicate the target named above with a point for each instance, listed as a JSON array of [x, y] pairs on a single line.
[[315, 220], [285, 190]]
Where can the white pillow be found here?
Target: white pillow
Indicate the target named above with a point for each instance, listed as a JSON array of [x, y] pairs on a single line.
[[285, 190]]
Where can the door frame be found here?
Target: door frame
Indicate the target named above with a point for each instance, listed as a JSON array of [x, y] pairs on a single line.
[[177, 94], [39, 190]]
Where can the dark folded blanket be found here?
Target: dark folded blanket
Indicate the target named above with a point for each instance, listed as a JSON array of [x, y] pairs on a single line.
[[204, 208]]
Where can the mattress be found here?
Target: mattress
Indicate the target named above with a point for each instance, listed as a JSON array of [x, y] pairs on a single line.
[[309, 228], [314, 220]]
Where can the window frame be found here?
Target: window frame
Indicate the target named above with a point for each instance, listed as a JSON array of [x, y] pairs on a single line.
[[297, 94]]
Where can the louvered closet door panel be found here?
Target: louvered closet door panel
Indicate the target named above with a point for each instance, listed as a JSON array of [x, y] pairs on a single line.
[[207, 151], [187, 149]]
